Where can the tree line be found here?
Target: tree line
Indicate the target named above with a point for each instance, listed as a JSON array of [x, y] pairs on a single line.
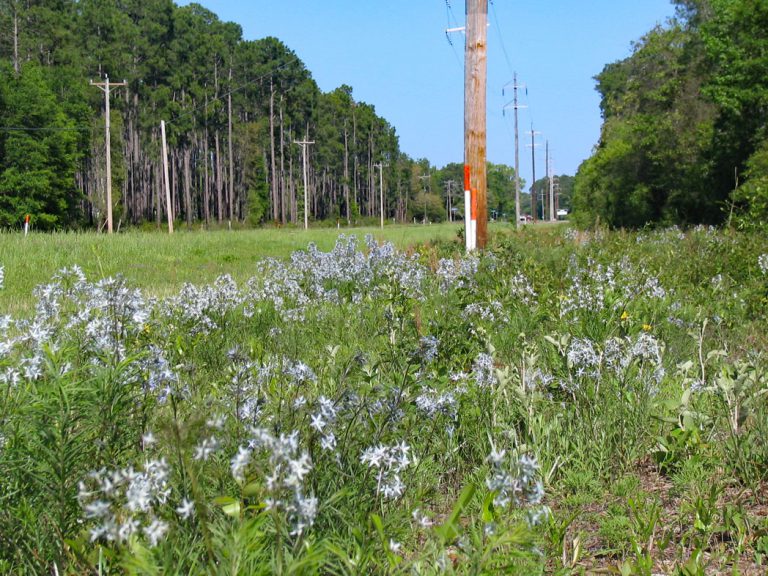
[[684, 137], [234, 110]]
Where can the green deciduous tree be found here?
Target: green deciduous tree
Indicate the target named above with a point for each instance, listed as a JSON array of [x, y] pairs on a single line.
[[38, 153]]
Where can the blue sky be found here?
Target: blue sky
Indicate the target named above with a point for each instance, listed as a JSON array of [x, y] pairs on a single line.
[[395, 55]]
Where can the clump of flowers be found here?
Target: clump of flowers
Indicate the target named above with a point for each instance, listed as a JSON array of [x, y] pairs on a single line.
[[285, 479], [125, 502], [762, 262], [520, 287], [389, 462], [322, 420], [483, 371], [516, 483], [457, 273]]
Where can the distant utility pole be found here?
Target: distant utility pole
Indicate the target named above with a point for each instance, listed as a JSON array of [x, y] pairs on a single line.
[[105, 87], [551, 189], [424, 191], [448, 200], [231, 183], [534, 199], [475, 74], [380, 166], [304, 144], [166, 181], [545, 200], [516, 107]]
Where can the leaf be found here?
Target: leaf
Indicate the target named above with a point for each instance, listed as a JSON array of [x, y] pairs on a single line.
[[230, 506], [251, 489], [450, 529]]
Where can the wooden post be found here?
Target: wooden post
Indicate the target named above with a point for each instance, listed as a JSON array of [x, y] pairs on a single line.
[[380, 166], [517, 162], [304, 144], [475, 72], [169, 208], [105, 87]]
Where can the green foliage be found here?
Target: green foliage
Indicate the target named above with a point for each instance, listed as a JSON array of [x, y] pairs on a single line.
[[38, 153], [682, 116], [751, 197]]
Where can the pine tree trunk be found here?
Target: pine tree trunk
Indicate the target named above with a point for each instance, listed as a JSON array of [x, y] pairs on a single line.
[[188, 186], [231, 157], [346, 171], [275, 202], [219, 199]]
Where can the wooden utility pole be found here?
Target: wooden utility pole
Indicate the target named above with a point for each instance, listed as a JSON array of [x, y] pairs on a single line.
[[231, 183], [534, 199], [545, 199], [475, 72], [424, 193], [516, 107], [551, 191], [449, 200], [304, 144], [105, 87], [380, 166], [166, 180]]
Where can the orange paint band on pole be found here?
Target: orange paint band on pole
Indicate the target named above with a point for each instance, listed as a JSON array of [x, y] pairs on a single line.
[[466, 177]]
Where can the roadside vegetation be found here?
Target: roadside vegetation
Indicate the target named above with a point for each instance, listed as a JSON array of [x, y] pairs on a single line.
[[566, 403]]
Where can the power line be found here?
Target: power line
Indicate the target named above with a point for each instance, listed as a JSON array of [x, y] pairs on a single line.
[[44, 129], [501, 37], [452, 26]]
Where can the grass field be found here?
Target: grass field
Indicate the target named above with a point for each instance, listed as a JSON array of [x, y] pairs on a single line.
[[158, 263]]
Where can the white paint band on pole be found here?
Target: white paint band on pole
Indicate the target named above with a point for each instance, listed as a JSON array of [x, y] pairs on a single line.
[[468, 219]]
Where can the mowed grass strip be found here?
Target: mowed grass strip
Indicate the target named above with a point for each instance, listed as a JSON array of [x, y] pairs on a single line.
[[160, 263]]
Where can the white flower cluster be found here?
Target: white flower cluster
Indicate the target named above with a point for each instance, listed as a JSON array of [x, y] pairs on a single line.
[[284, 483], [520, 287], [585, 359], [483, 371], [389, 461], [491, 312], [516, 483], [595, 287], [434, 403], [123, 502], [344, 274], [428, 348], [322, 420], [587, 287], [201, 309], [457, 273], [762, 262]]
